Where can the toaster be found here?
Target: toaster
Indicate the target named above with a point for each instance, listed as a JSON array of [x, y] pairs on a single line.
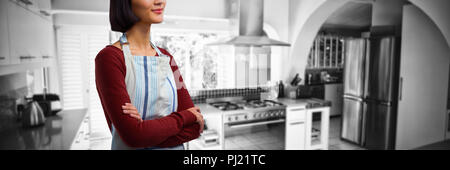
[[50, 103]]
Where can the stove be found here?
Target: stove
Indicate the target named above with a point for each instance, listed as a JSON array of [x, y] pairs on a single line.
[[226, 106], [250, 111]]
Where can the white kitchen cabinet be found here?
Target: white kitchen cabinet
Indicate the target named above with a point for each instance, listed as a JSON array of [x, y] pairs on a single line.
[[334, 93], [4, 36], [295, 128], [81, 140], [31, 35], [47, 48], [295, 135], [22, 30], [214, 122]]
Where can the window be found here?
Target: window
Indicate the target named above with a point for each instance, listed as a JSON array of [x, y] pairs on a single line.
[[202, 66], [70, 62], [77, 48]]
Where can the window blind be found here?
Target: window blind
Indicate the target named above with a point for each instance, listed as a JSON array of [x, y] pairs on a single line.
[[78, 46], [70, 57]]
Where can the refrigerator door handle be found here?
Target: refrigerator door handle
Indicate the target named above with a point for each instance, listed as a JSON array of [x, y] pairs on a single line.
[[400, 95], [366, 69], [353, 98], [363, 124], [379, 102]]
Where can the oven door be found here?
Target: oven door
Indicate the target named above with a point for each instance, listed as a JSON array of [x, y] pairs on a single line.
[[256, 135]]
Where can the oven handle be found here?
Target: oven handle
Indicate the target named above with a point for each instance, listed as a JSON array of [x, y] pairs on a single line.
[[256, 123]]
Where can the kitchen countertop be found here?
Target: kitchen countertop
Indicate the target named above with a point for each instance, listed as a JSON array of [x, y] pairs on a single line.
[[293, 102], [205, 108], [299, 102], [208, 109], [57, 133]]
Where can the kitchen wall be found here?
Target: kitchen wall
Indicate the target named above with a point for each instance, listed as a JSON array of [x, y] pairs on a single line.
[[182, 15], [387, 12], [278, 20], [304, 24], [424, 68], [306, 17], [13, 86], [438, 11], [78, 12], [12, 82]]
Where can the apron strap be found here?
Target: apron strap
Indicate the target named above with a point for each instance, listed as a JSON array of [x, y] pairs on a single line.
[[125, 45], [157, 49]]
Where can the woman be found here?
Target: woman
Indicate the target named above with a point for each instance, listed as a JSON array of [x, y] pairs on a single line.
[[141, 90]]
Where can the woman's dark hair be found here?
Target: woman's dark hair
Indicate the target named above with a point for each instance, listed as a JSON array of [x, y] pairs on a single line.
[[121, 16]]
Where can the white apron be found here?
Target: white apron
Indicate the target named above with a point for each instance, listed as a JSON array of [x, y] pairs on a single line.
[[151, 86]]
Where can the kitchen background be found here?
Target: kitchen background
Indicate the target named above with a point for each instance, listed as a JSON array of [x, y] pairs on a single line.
[[356, 74]]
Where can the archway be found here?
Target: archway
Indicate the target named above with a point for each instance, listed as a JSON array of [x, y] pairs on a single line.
[[437, 10]]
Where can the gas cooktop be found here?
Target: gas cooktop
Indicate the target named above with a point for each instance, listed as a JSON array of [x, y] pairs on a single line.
[[242, 111], [244, 104]]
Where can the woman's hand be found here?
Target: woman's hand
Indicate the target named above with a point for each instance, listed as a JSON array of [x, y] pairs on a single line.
[[199, 116], [133, 112], [129, 109]]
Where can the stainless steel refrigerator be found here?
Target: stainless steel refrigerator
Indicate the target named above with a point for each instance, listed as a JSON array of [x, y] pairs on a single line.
[[370, 91]]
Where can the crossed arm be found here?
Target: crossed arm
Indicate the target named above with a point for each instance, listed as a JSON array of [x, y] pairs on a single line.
[[174, 129], [187, 133]]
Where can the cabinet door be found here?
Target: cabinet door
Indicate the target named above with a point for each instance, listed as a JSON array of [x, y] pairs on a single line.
[[22, 34], [14, 28], [47, 49], [295, 135], [295, 114], [4, 46], [295, 128]]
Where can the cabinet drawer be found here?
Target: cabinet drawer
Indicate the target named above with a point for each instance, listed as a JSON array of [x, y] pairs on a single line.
[[295, 136], [295, 114]]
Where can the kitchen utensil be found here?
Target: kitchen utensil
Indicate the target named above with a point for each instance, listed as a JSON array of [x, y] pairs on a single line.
[[280, 89], [49, 103], [296, 80], [33, 115]]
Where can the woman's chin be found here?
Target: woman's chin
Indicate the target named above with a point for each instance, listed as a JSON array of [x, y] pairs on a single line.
[[157, 20]]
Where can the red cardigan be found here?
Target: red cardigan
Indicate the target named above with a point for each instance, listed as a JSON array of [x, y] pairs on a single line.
[[171, 130]]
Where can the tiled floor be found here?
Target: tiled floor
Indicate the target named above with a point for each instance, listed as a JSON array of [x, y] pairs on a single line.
[[334, 141], [100, 143], [263, 140], [272, 140], [266, 140]]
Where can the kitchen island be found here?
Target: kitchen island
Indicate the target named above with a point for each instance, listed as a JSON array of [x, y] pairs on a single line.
[[57, 133]]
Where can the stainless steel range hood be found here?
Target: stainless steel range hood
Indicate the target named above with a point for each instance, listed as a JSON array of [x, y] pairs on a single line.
[[251, 16]]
